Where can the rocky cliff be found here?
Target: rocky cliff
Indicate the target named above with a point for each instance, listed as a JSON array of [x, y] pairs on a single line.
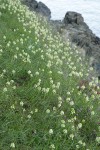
[[74, 28]]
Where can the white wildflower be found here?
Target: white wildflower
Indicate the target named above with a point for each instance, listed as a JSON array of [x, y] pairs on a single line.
[[36, 110], [98, 139], [12, 145], [71, 136], [37, 73], [52, 146], [51, 131], [5, 89], [62, 113], [21, 103], [65, 131], [80, 125], [48, 111], [92, 112], [29, 72], [71, 103], [29, 116], [63, 125]]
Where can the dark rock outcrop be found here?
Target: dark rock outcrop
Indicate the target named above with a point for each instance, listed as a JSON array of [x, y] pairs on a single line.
[[38, 7], [73, 18], [44, 10], [32, 4], [74, 28], [80, 33]]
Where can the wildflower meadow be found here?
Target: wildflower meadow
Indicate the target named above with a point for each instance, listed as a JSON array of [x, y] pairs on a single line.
[[44, 105]]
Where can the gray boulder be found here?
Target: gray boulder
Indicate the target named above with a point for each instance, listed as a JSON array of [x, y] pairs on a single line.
[[32, 4], [44, 10], [38, 7], [73, 18]]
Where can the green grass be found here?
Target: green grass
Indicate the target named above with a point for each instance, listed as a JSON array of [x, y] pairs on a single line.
[[42, 106]]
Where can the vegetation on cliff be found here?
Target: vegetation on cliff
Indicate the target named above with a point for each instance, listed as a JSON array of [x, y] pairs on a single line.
[[46, 101]]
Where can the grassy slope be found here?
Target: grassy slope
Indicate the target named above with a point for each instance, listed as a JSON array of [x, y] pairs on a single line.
[[40, 105]]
